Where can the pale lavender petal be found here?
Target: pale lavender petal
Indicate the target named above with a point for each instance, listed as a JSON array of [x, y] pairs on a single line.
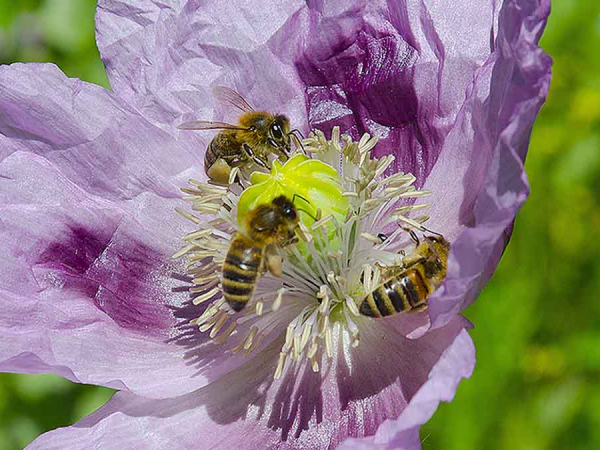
[[247, 409], [87, 226], [164, 57], [97, 140], [454, 97], [398, 70], [454, 87], [456, 363], [493, 127]]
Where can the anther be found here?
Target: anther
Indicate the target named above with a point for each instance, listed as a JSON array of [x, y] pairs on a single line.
[[259, 307], [183, 251], [255, 343], [223, 316], [188, 216], [202, 298], [277, 302], [280, 365], [329, 342], [226, 334], [250, 337], [209, 323], [314, 364]]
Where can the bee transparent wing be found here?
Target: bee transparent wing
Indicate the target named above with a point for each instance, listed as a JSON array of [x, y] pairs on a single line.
[[208, 125], [228, 96]]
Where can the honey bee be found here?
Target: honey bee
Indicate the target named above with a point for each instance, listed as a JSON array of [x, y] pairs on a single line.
[[249, 143], [250, 254], [406, 287]]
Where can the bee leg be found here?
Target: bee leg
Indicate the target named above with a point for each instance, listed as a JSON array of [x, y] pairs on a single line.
[[292, 240], [282, 154], [262, 268], [274, 261], [219, 171], [414, 237], [410, 261], [297, 139], [255, 158], [419, 308]]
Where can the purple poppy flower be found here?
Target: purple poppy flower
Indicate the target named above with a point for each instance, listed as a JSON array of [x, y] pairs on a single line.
[[90, 180]]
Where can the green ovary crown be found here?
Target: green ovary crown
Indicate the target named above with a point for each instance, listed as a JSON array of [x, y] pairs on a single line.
[[312, 180]]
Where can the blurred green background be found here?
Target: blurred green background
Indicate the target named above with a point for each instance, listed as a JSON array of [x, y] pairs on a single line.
[[536, 383]]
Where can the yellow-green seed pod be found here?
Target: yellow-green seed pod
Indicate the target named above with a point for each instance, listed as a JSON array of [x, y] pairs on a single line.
[[316, 184]]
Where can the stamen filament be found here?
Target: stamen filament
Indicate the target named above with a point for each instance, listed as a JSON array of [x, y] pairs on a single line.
[[326, 276]]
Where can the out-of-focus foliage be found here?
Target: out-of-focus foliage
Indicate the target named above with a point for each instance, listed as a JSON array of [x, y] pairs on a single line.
[[537, 324], [537, 331], [58, 31]]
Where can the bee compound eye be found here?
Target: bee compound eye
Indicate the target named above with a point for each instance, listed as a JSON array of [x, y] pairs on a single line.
[[276, 130], [289, 212]]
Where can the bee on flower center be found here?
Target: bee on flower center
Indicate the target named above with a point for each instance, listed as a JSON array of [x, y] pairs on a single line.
[[268, 227], [406, 287], [247, 144]]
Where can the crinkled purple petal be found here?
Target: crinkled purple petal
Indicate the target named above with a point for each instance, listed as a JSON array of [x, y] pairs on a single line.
[[248, 409], [453, 96], [456, 363], [494, 126], [452, 89], [97, 140], [87, 225], [164, 57], [398, 70]]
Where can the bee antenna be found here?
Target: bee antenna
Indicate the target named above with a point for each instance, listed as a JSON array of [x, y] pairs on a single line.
[[298, 195], [414, 236], [432, 232], [298, 141], [296, 130], [309, 214]]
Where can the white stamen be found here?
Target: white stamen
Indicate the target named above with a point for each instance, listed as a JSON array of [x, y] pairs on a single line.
[[280, 365], [277, 302], [250, 337], [223, 316], [188, 216], [314, 365], [259, 307], [230, 329], [202, 298], [205, 279], [210, 322], [255, 344], [233, 174], [351, 304], [183, 251], [326, 276], [210, 311], [329, 342]]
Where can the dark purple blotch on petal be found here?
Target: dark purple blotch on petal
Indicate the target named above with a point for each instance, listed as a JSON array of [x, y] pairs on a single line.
[[295, 408], [366, 84], [122, 276]]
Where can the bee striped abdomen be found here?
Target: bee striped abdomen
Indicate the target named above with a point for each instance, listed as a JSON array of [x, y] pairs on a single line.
[[211, 155], [406, 293], [240, 272]]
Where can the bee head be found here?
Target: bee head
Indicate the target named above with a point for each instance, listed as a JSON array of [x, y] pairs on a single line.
[[279, 137], [439, 244], [285, 207], [279, 128]]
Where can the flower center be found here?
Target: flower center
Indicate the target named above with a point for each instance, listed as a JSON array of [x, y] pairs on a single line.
[[326, 277]]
